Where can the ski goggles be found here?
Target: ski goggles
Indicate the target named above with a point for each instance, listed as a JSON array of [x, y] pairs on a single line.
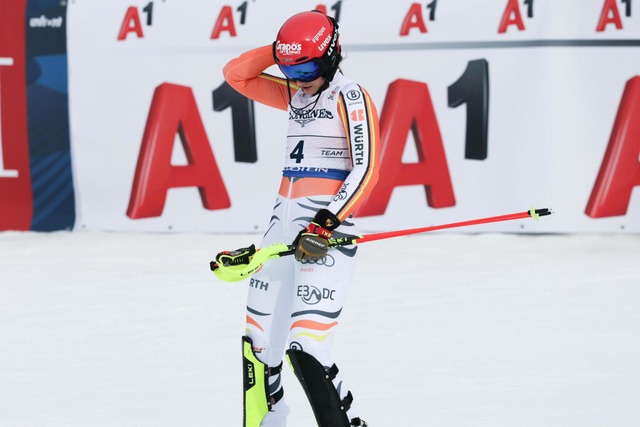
[[305, 72]]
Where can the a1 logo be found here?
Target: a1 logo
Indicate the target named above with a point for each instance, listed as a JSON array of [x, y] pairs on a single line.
[[132, 22], [610, 14]]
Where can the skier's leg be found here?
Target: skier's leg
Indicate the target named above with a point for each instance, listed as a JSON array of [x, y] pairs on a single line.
[[267, 326], [321, 292], [317, 382], [258, 400], [268, 308]]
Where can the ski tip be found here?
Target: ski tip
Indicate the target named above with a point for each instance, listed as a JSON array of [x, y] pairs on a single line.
[[537, 213]]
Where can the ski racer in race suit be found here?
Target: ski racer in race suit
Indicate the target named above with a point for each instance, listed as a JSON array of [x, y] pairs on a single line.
[[331, 165]]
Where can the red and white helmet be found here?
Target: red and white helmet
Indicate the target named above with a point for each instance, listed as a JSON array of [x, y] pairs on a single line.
[[307, 46]]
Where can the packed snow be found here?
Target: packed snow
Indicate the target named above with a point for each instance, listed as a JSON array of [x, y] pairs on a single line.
[[441, 329]]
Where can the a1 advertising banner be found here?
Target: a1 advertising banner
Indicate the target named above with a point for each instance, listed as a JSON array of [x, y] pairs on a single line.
[[486, 107]]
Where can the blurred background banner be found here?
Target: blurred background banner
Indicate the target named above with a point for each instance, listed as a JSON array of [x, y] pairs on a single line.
[[487, 107], [48, 116], [16, 207]]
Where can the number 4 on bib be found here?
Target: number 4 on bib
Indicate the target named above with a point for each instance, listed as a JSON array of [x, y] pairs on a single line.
[[297, 153]]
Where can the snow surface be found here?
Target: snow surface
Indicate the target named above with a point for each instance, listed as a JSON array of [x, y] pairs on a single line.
[[132, 329]]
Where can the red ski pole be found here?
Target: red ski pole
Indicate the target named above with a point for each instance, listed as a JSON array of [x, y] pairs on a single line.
[[533, 213], [236, 265]]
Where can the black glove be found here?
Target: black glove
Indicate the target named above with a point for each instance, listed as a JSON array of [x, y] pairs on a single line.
[[313, 242]]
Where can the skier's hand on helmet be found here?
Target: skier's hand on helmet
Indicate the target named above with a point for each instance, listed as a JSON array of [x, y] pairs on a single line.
[[313, 242]]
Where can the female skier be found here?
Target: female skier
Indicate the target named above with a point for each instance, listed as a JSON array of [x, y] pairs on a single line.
[[332, 155]]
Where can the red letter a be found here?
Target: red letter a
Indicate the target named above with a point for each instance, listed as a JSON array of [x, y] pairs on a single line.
[[512, 9], [224, 23], [131, 23], [174, 110], [408, 107], [620, 169], [413, 19], [609, 15]]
